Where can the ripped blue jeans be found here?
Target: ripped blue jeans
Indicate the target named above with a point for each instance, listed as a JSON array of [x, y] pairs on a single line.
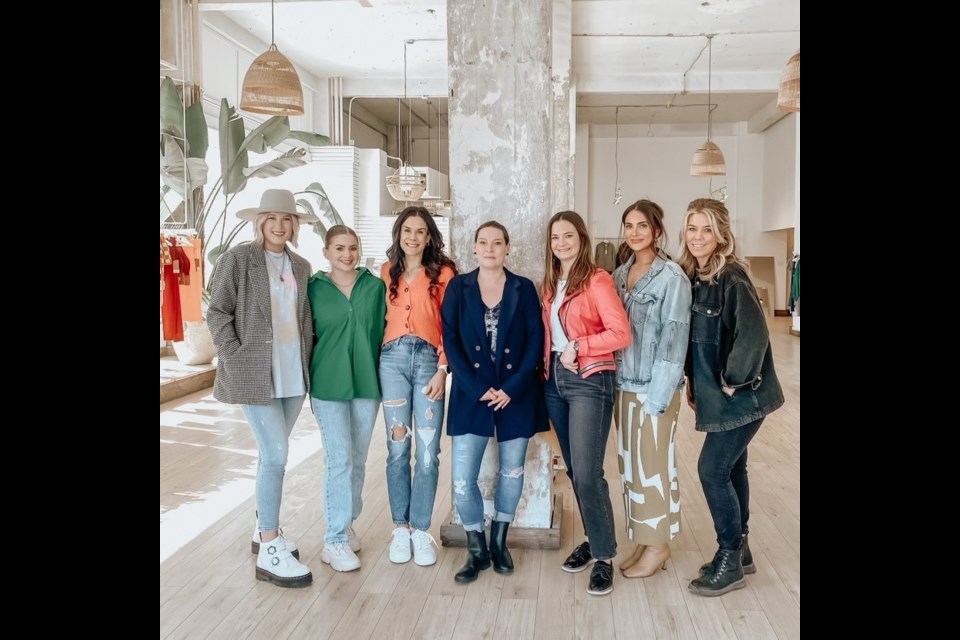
[[406, 366], [467, 455]]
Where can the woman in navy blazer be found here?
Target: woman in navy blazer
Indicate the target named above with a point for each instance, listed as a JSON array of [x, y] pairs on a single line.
[[491, 334]]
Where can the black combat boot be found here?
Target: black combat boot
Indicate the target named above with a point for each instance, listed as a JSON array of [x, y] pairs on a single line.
[[724, 574], [478, 557], [748, 566], [502, 562]]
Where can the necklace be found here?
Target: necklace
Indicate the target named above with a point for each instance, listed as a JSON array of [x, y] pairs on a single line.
[[283, 262], [342, 286]]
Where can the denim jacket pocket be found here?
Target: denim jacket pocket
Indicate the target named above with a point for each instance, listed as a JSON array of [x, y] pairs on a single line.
[[705, 323]]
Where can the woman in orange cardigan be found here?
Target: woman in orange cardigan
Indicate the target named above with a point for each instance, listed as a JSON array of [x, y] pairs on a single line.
[[413, 378]]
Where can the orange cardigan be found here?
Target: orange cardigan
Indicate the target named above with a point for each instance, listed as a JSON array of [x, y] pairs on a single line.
[[415, 311]]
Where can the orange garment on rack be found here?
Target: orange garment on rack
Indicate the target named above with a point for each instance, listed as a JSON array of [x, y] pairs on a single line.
[[191, 293]]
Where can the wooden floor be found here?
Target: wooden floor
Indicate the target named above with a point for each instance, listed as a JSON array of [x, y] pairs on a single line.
[[208, 590]]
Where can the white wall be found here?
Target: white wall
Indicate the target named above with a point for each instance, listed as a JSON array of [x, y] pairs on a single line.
[[780, 172]]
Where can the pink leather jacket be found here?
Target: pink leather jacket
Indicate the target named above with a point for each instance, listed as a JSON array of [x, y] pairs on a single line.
[[594, 316]]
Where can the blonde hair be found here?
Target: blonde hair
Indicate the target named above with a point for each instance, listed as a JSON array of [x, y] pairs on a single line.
[[726, 252], [262, 217]]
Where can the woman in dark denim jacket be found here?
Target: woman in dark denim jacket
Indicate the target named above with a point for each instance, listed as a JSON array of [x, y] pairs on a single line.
[[731, 386], [656, 296]]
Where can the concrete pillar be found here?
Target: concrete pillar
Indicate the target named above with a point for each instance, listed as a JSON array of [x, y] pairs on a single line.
[[502, 164], [501, 101]]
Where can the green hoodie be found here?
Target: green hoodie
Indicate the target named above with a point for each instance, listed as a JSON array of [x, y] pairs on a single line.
[[345, 357]]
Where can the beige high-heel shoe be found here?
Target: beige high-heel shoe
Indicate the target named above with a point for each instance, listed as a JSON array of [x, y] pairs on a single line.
[[654, 557], [632, 560]]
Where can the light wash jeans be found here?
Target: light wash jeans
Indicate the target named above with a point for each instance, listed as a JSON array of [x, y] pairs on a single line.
[[406, 366], [467, 454], [346, 427], [271, 425]]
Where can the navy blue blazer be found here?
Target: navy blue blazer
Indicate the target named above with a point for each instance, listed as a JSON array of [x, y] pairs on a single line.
[[516, 368]]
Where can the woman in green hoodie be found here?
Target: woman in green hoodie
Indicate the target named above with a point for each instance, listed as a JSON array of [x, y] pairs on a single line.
[[349, 307]]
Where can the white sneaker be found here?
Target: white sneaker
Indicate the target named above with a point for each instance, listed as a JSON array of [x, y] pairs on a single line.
[[276, 564], [353, 539], [424, 553], [340, 557], [400, 545]]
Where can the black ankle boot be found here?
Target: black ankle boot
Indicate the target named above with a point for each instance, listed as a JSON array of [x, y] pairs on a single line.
[[724, 574], [748, 566], [478, 557], [502, 562]]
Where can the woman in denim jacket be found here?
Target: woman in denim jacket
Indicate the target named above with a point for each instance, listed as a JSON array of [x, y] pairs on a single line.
[[732, 384], [656, 296]]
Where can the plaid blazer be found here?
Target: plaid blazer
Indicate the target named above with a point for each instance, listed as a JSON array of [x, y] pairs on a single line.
[[240, 321]]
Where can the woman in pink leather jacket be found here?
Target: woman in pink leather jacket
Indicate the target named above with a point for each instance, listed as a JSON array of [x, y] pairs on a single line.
[[584, 324]]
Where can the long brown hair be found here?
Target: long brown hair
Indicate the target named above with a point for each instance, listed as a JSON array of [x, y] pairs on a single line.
[[654, 215], [434, 259], [583, 265], [726, 252]]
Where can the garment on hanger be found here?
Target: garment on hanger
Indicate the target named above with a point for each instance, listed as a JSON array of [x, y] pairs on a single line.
[[795, 282], [606, 256], [173, 273]]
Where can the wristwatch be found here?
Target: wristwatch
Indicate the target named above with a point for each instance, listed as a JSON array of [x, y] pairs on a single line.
[[576, 346]]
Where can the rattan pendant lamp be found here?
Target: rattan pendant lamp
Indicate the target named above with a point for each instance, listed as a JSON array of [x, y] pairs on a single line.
[[271, 85], [788, 99], [406, 184], [708, 159]]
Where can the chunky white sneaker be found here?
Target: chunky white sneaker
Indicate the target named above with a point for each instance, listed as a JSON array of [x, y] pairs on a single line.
[[276, 564], [424, 551], [400, 545], [353, 539], [340, 557]]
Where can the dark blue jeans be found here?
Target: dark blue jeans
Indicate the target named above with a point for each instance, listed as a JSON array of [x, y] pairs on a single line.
[[581, 410], [723, 474]]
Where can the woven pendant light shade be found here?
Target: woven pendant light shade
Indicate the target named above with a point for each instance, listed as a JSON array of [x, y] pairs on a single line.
[[708, 161], [788, 99], [272, 86]]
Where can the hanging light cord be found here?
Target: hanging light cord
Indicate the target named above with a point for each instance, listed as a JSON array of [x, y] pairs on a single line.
[[272, 41], [709, 87]]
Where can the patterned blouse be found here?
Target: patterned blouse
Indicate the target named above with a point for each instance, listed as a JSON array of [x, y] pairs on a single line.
[[491, 318]]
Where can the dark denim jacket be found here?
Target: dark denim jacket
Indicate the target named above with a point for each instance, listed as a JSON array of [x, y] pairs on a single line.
[[730, 346]]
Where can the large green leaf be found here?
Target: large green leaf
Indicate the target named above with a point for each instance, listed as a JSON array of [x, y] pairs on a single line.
[[269, 134], [197, 136], [289, 160], [233, 152], [314, 139], [183, 175], [171, 107]]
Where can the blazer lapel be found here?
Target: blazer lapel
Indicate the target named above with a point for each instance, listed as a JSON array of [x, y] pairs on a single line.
[[475, 310], [508, 306], [260, 281]]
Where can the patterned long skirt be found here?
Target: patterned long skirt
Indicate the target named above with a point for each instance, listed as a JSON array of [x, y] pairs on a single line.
[[647, 455]]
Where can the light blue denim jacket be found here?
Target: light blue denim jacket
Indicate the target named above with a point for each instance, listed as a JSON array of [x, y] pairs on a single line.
[[658, 308]]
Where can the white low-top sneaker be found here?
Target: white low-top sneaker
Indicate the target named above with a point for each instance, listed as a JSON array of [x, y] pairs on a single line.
[[276, 564], [400, 545], [340, 557], [424, 548]]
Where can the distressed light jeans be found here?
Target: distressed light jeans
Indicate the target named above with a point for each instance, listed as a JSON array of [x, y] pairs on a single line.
[[406, 366], [346, 427], [271, 425], [467, 454], [581, 410]]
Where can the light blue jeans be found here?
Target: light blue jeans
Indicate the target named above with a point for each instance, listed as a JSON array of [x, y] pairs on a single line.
[[346, 428], [467, 454], [406, 366], [271, 425]]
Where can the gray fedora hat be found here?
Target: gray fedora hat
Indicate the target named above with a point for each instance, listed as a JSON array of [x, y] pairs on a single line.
[[277, 201]]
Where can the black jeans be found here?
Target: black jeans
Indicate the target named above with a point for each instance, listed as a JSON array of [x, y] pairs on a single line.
[[723, 474], [581, 411]]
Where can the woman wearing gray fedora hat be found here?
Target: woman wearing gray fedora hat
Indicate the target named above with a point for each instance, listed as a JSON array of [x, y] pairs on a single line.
[[260, 319]]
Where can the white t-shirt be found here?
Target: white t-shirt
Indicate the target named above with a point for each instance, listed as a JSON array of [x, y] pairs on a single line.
[[287, 365], [558, 338]]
